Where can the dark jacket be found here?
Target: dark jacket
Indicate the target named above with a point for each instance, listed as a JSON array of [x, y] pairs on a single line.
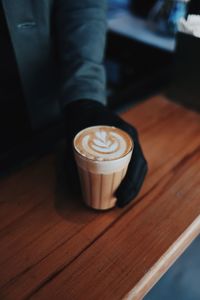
[[59, 46]]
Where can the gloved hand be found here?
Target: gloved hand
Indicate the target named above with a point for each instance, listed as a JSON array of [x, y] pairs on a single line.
[[85, 113]]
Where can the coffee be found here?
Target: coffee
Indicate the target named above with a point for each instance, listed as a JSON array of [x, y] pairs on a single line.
[[102, 155]]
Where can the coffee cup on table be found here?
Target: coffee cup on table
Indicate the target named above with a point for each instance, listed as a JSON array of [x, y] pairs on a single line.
[[102, 155]]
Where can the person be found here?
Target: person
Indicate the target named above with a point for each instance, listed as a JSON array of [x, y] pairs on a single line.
[[51, 60]]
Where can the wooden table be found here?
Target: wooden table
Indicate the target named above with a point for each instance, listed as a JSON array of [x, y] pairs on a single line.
[[53, 247]]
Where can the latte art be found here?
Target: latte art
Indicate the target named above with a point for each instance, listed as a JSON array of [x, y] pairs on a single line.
[[103, 143]]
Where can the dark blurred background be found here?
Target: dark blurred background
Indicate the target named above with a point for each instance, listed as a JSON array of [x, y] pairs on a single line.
[[139, 60]]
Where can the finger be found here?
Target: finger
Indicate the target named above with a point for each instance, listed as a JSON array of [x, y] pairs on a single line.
[[71, 171], [132, 183], [125, 194]]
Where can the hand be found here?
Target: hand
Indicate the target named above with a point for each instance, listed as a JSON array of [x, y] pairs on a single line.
[[84, 113]]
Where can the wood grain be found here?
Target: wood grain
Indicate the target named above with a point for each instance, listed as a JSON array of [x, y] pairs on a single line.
[[53, 247]]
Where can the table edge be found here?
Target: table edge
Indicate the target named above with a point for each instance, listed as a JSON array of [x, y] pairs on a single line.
[[165, 262]]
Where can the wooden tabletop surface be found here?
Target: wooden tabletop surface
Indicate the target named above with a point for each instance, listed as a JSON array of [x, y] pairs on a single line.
[[53, 247]]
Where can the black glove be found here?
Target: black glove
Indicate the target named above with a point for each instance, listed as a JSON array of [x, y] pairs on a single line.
[[85, 113]]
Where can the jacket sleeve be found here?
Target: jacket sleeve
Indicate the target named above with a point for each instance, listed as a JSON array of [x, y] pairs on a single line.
[[80, 38]]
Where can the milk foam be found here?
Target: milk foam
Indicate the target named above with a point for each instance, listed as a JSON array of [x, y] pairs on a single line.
[[103, 143]]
